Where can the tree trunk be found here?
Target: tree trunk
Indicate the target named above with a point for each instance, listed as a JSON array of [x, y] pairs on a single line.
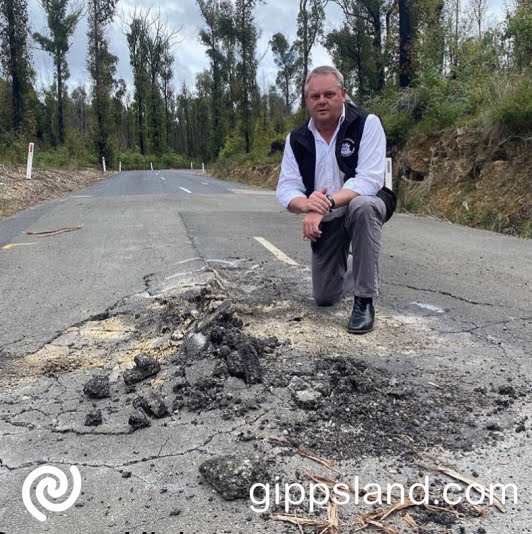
[[377, 52], [14, 66], [287, 91], [405, 64], [60, 110], [140, 117], [303, 8]]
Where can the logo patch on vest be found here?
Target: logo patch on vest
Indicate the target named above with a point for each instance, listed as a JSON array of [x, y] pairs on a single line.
[[348, 147]]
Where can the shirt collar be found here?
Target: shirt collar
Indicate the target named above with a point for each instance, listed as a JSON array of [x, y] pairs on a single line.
[[314, 130]]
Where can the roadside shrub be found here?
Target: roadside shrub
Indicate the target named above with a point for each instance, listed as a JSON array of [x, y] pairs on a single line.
[[234, 144], [513, 109], [136, 161], [509, 108], [444, 111], [397, 126]]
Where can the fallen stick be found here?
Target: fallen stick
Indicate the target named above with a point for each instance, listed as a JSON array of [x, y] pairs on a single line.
[[328, 482], [48, 233], [326, 463], [218, 279], [466, 480], [383, 528], [333, 518], [300, 521], [410, 520]]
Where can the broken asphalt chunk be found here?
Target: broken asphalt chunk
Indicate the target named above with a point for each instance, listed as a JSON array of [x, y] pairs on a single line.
[[154, 405], [245, 364], [222, 312], [195, 343], [145, 366], [97, 387], [232, 476], [304, 395], [139, 419], [94, 418]]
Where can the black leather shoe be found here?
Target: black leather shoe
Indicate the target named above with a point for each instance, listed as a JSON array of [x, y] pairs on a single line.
[[363, 316]]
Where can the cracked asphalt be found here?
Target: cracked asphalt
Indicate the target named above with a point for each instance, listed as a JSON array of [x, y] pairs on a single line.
[[454, 315]]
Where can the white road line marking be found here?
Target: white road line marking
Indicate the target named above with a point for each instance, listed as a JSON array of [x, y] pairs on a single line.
[[204, 183], [186, 190], [163, 178], [279, 254]]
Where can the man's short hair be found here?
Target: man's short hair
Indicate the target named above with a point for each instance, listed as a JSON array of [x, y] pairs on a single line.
[[325, 69]]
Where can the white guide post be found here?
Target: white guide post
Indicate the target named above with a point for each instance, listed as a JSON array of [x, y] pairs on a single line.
[[388, 175], [30, 161]]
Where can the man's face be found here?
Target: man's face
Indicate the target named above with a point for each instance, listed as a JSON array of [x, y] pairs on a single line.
[[325, 99]]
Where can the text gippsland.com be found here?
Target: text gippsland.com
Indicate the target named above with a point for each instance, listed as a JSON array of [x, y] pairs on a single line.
[[288, 495]]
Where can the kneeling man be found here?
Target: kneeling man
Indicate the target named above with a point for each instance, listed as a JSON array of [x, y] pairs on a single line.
[[333, 171]]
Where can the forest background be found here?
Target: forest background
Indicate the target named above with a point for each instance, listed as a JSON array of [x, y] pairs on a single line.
[[451, 84]]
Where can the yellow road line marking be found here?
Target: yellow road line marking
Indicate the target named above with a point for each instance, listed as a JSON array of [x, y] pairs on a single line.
[[279, 254], [11, 245], [251, 192]]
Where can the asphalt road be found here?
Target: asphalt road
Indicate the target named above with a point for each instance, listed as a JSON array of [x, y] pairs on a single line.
[[139, 226], [463, 297]]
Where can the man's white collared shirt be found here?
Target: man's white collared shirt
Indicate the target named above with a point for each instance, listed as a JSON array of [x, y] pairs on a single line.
[[369, 174]]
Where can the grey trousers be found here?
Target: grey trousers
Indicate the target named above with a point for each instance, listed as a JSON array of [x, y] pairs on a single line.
[[336, 273]]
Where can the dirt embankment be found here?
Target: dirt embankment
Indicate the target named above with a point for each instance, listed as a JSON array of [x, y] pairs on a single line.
[[460, 177], [456, 176], [17, 193]]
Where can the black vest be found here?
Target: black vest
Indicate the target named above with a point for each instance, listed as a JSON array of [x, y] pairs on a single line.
[[347, 146]]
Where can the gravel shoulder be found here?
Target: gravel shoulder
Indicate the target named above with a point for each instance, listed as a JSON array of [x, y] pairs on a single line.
[[18, 194]]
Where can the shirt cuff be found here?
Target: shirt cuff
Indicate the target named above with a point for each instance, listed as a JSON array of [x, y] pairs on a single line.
[[360, 187], [288, 197]]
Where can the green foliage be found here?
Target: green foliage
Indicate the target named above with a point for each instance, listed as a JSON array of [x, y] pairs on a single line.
[[520, 31], [287, 60], [511, 106], [77, 148], [444, 111], [15, 60], [102, 67], [397, 126], [410, 198], [60, 157], [136, 161], [234, 144]]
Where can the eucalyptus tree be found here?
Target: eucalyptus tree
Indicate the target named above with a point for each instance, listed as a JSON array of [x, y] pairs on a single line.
[[62, 23], [15, 58], [310, 21], [246, 36], [288, 61], [102, 67]]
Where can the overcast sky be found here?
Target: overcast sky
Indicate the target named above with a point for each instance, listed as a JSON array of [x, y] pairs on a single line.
[[190, 58]]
